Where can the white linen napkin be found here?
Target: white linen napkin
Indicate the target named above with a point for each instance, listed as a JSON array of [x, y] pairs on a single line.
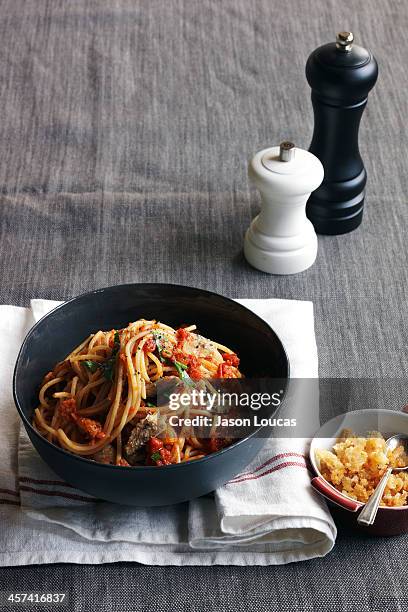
[[266, 515]]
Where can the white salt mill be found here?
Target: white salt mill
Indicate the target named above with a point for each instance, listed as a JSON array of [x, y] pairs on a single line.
[[281, 240]]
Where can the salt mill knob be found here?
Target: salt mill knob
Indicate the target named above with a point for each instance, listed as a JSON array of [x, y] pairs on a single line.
[[341, 74], [281, 240]]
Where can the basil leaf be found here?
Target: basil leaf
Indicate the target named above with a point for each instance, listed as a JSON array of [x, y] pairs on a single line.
[[181, 369], [180, 365], [92, 366], [116, 344], [157, 337], [108, 369], [107, 366], [156, 456]]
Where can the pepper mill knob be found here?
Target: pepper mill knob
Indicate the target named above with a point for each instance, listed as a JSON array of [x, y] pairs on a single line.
[[340, 74], [286, 150], [281, 240], [344, 40]]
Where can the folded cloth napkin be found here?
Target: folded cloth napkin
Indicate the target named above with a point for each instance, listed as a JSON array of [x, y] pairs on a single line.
[[266, 515]]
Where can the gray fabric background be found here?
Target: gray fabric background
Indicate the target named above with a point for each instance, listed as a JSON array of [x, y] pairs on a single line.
[[125, 131]]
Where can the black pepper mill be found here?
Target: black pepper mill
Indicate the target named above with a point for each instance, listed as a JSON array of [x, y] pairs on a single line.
[[340, 74]]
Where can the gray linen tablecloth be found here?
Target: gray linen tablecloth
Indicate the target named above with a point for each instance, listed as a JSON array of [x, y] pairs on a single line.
[[125, 132]]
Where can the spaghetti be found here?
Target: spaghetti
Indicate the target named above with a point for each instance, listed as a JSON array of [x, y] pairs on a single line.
[[99, 401]]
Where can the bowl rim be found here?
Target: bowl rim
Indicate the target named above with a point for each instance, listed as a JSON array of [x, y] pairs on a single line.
[[105, 466], [313, 460]]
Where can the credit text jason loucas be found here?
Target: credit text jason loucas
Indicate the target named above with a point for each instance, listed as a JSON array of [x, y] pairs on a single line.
[[220, 421]]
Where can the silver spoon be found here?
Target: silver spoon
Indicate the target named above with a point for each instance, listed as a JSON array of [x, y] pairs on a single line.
[[369, 512]]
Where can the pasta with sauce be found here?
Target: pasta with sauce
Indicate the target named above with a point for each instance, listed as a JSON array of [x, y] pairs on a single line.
[[97, 402]]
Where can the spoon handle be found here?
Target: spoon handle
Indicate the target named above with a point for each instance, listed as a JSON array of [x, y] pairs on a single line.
[[369, 512]]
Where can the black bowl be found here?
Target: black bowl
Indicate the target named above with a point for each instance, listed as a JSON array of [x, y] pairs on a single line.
[[217, 317]]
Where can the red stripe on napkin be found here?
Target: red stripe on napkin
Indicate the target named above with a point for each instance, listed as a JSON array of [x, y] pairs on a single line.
[[10, 492], [274, 469], [58, 494], [57, 483], [268, 462]]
